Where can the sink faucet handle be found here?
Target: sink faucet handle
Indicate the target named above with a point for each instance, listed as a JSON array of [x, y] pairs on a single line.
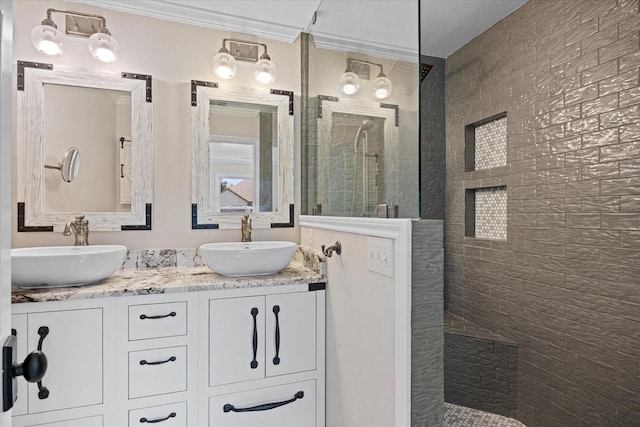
[[245, 229]]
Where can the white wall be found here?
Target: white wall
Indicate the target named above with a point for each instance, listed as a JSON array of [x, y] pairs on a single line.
[[368, 330], [360, 337], [174, 54]]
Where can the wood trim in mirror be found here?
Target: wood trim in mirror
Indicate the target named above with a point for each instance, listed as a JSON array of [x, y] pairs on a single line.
[[147, 224], [194, 220], [203, 213], [24, 228], [147, 79], [396, 109], [321, 98], [194, 85], [286, 93], [30, 146], [26, 64], [291, 219]]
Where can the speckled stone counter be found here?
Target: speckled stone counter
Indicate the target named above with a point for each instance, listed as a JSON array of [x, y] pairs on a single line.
[[307, 267]]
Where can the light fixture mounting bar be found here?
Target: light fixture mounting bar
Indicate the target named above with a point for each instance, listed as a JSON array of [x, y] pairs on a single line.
[[243, 50], [359, 66], [81, 27]]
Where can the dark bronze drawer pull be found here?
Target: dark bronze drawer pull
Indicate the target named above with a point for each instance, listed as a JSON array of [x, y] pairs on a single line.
[[159, 420], [161, 316], [264, 407], [254, 314], [276, 359], [162, 362]]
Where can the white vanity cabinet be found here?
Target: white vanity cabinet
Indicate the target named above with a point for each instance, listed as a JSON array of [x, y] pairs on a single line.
[[265, 358], [199, 358], [72, 341], [261, 336]]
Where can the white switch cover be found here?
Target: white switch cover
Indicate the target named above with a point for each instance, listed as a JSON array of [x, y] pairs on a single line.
[[309, 241], [380, 255]]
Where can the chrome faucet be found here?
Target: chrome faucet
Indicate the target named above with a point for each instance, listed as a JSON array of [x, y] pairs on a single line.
[[79, 228], [245, 228]]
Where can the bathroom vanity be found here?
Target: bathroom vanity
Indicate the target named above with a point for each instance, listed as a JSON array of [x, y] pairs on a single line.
[[177, 346]]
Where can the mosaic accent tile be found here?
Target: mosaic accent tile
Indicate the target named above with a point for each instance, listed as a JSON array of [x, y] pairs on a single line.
[[460, 416], [491, 144], [491, 213]]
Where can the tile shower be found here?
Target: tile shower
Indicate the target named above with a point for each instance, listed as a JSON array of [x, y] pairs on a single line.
[[346, 168], [560, 279]]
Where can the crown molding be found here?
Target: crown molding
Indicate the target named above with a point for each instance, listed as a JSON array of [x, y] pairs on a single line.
[[200, 17], [380, 50]]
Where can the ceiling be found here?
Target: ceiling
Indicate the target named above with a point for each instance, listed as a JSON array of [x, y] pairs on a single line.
[[382, 27], [447, 25]]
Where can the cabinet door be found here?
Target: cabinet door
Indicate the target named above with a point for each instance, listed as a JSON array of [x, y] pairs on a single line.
[[236, 340], [290, 333], [289, 405], [73, 347], [19, 324]]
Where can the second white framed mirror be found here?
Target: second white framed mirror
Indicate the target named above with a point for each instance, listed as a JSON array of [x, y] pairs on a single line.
[[242, 156]]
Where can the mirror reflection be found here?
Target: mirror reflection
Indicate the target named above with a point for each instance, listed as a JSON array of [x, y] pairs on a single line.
[[92, 120], [243, 150], [69, 167]]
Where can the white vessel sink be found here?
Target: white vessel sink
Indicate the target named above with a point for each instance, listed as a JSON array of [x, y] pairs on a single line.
[[247, 259], [56, 266]]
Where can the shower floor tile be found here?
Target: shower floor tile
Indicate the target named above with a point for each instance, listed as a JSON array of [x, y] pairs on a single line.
[[460, 416]]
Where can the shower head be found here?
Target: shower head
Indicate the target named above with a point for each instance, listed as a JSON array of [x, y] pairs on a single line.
[[364, 126]]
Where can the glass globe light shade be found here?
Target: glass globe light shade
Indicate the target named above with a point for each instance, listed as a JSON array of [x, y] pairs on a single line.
[[224, 65], [47, 39], [381, 87], [266, 71], [103, 47], [350, 83]]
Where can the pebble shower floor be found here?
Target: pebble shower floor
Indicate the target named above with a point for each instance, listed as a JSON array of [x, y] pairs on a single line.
[[460, 416]]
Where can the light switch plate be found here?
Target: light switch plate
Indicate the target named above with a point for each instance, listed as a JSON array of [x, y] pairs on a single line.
[[309, 240], [380, 255]]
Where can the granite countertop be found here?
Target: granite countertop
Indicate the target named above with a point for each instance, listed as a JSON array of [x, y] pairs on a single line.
[[305, 268]]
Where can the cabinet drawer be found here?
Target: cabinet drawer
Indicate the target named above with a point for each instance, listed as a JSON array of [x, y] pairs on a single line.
[[157, 371], [264, 409], [157, 320], [95, 421], [172, 415]]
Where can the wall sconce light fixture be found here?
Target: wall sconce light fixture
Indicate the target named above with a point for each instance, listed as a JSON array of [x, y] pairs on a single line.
[[357, 69], [225, 66], [47, 39]]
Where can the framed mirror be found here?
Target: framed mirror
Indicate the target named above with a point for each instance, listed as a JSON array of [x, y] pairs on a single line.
[[242, 156], [107, 119]]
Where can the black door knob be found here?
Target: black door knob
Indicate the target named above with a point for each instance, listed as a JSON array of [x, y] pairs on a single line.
[[33, 368]]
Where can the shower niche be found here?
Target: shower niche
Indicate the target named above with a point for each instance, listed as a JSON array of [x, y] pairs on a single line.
[[354, 158]]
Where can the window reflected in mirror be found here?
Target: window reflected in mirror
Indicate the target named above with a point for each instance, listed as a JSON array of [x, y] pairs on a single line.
[[243, 155]]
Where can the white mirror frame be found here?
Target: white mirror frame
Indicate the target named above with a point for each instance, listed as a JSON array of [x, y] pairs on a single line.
[[30, 149], [204, 215], [356, 108]]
